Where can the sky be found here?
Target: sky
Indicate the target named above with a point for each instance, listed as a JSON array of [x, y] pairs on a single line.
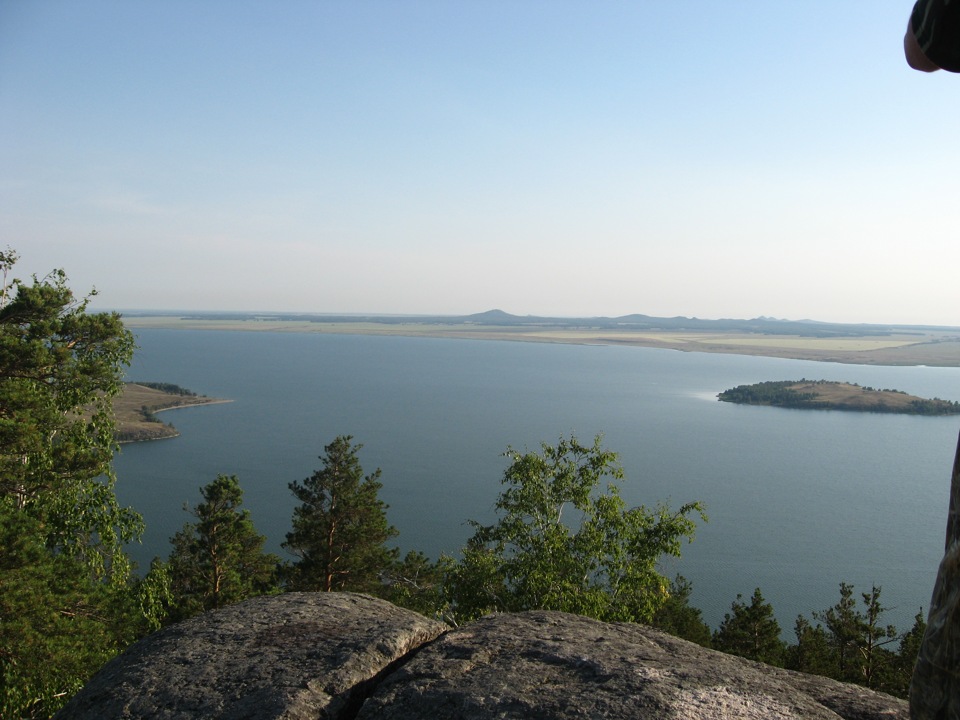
[[568, 158]]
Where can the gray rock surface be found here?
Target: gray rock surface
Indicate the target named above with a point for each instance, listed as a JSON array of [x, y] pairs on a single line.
[[291, 656], [554, 665], [340, 655]]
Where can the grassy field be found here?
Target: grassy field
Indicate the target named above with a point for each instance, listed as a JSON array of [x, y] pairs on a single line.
[[922, 346], [849, 396]]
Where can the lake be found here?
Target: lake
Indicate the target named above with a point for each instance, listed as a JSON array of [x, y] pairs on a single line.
[[798, 500]]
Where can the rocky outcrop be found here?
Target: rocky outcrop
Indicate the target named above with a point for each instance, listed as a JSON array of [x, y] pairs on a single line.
[[935, 690], [341, 655], [293, 656]]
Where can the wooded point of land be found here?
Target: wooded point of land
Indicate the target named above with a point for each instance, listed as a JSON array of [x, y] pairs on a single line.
[[135, 406]]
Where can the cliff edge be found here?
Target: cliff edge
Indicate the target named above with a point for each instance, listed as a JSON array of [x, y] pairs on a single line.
[[344, 655]]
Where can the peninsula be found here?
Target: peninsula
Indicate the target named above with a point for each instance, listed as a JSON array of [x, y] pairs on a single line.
[[830, 395], [135, 407]]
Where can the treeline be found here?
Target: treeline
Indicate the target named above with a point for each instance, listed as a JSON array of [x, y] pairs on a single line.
[[779, 393], [846, 642], [559, 543], [603, 565], [170, 388]]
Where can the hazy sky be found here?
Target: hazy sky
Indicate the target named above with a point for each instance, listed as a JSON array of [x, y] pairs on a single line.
[[700, 158]]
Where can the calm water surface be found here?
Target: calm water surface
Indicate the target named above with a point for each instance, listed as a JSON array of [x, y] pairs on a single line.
[[798, 500]]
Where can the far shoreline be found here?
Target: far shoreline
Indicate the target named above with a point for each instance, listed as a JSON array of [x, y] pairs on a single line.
[[906, 346]]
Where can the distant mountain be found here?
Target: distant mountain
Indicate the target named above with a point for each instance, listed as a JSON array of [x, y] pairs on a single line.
[[492, 317], [635, 321]]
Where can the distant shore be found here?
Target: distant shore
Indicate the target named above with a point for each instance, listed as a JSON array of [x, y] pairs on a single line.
[[906, 346]]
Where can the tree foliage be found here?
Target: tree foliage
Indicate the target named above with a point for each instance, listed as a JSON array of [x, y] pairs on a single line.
[[811, 653], [66, 595], [849, 643], [561, 543], [59, 368], [751, 631], [218, 560], [857, 637], [907, 654], [678, 617], [57, 627], [340, 528], [416, 583]]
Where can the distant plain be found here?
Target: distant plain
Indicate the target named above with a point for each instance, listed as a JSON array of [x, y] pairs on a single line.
[[900, 345]]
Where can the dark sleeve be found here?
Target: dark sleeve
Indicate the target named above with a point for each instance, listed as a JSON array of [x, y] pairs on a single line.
[[936, 25]]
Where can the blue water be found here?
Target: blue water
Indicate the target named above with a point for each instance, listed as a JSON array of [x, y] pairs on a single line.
[[798, 500]]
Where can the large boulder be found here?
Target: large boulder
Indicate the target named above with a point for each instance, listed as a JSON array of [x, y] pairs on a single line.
[[554, 665], [291, 656], [341, 655]]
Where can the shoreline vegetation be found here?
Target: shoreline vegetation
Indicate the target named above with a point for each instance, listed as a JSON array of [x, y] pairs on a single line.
[[136, 406], [831, 395], [860, 344]]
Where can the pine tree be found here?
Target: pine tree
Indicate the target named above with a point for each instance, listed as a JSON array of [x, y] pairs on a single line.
[[858, 640], [340, 528], [66, 603], [219, 559], [812, 652], [906, 657], [56, 626], [876, 663], [845, 626], [751, 631], [678, 617]]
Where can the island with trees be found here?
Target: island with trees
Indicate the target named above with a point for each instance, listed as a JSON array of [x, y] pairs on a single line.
[[832, 395]]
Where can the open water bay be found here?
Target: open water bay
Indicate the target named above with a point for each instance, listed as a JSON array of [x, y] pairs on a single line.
[[798, 501]]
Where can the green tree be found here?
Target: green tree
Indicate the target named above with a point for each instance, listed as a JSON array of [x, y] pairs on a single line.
[[218, 560], [678, 617], [416, 584], [845, 627], [858, 640], [57, 627], [812, 652], [60, 366], [66, 596], [906, 657], [562, 544], [876, 662], [340, 528], [751, 631]]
